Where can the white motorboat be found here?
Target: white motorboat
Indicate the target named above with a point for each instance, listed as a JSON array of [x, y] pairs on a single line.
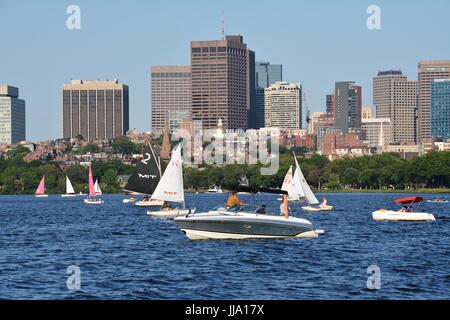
[[214, 189], [40, 191], [245, 222], [171, 189], [438, 200], [70, 192], [405, 213]]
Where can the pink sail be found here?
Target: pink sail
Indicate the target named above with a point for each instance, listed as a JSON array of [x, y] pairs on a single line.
[[41, 188], [91, 184]]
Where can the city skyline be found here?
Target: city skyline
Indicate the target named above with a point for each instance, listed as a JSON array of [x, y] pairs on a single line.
[[63, 54]]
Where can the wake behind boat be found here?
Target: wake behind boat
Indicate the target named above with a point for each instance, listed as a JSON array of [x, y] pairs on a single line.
[[405, 213], [245, 222]]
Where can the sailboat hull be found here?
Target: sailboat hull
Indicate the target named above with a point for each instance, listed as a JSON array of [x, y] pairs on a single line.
[[93, 201], [170, 214], [149, 203], [68, 195], [317, 208], [41, 196]]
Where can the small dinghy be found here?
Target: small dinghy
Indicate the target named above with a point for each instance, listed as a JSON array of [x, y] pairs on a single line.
[[405, 213], [92, 200], [40, 191]]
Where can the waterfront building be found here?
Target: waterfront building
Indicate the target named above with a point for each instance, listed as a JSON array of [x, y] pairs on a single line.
[[171, 91], [395, 97], [348, 104], [283, 105], [96, 110], [440, 109], [12, 116], [266, 75], [427, 72], [223, 82]]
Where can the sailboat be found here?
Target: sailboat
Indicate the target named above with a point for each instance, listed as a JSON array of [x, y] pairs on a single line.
[[309, 196], [291, 184], [40, 191], [92, 200], [144, 179], [97, 188], [171, 189], [70, 192]]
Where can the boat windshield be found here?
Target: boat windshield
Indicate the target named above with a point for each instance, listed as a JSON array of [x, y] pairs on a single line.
[[245, 208]]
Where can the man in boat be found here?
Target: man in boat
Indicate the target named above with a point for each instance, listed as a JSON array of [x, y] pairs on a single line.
[[324, 202], [234, 201], [166, 206]]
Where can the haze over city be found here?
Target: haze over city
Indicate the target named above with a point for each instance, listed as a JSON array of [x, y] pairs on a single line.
[[317, 44]]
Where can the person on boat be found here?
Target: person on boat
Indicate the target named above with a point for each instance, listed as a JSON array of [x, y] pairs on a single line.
[[324, 202], [166, 206], [261, 209], [234, 201], [282, 208], [405, 209], [146, 198]]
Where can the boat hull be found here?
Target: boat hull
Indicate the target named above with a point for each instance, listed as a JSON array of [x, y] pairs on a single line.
[[150, 203], [170, 214], [93, 202], [317, 208], [244, 226], [68, 195], [390, 215], [41, 196]]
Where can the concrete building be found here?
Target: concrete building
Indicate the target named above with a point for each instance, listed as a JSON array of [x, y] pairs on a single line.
[[283, 105], [12, 116], [440, 109], [314, 121], [378, 131], [427, 72], [395, 97], [348, 102], [97, 110], [171, 93], [223, 82], [266, 75], [366, 113]]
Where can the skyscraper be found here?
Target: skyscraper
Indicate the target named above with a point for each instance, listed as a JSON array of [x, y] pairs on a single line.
[[395, 97], [283, 105], [266, 74], [428, 71], [97, 110], [171, 95], [12, 115], [440, 108], [348, 104], [222, 82]]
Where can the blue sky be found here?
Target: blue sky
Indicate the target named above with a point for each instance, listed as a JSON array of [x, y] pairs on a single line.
[[318, 43]]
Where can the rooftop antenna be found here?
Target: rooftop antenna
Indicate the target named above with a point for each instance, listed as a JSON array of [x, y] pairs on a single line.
[[222, 25]]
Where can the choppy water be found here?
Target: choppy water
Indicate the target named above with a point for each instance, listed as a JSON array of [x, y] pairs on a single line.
[[125, 254]]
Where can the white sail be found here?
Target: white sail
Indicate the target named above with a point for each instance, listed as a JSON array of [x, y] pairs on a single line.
[[292, 186], [69, 187], [97, 187], [308, 194], [170, 187]]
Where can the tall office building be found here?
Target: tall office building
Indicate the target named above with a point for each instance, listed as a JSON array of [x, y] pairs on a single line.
[[97, 110], [330, 105], [348, 104], [378, 131], [395, 97], [283, 105], [171, 95], [12, 115], [266, 74], [222, 82], [440, 108], [427, 72]]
